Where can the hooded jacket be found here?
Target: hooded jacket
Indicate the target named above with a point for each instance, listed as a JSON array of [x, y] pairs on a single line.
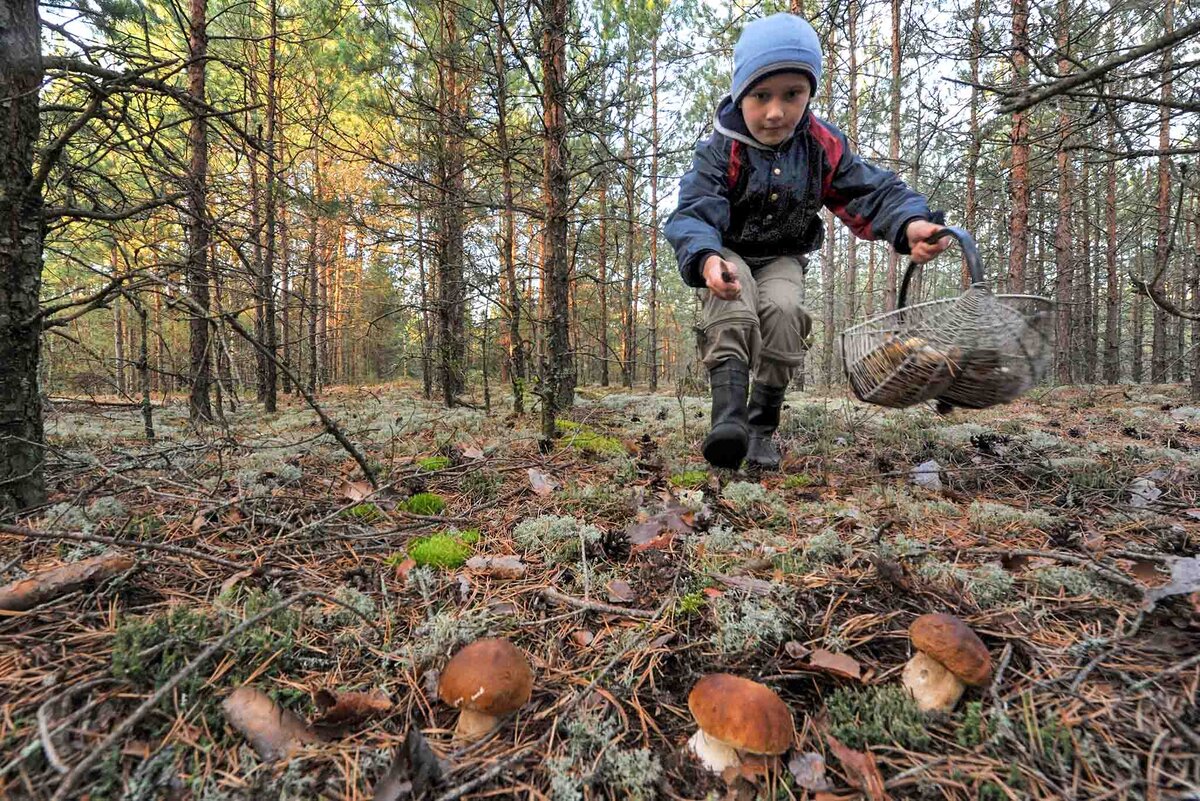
[[762, 202]]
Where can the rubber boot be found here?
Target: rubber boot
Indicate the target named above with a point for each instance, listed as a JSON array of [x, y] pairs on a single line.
[[763, 419], [725, 445]]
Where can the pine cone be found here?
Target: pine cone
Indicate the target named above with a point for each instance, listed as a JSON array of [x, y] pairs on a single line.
[[616, 545]]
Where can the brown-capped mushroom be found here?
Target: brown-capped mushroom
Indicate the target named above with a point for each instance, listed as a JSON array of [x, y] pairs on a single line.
[[949, 656], [485, 681], [737, 716]]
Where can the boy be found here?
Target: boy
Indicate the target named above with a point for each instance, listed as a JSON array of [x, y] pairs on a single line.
[[747, 214]]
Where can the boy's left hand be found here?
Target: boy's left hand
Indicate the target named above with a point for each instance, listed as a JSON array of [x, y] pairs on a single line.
[[920, 230]]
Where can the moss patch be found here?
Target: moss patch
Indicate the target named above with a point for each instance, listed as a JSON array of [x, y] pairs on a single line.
[[440, 550], [689, 479], [431, 463], [585, 439], [877, 716], [425, 503]]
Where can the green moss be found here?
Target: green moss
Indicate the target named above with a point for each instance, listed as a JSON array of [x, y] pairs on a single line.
[[799, 481], [689, 479], [877, 716], [431, 463], [439, 550], [425, 503], [690, 604], [585, 439], [471, 536], [364, 512], [973, 730]]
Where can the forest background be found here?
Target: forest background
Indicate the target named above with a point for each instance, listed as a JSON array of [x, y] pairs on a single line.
[[255, 197]]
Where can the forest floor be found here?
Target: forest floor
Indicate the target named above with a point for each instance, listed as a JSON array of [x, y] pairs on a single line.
[[625, 570]]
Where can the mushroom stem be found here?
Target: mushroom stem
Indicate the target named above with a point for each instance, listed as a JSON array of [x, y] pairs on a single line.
[[473, 725], [934, 688], [713, 753]]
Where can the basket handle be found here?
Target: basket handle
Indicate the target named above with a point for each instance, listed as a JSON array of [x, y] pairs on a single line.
[[970, 253]]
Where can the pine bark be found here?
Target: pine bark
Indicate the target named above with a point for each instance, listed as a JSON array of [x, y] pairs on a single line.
[[1018, 226], [21, 230], [199, 223], [653, 368], [1112, 311], [889, 298], [1063, 241], [515, 349], [628, 320], [1158, 348], [270, 340], [556, 183]]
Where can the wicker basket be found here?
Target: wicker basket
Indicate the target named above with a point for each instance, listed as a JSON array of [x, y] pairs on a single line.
[[975, 350]]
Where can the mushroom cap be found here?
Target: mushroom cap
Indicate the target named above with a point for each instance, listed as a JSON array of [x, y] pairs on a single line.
[[491, 676], [742, 713], [952, 643]]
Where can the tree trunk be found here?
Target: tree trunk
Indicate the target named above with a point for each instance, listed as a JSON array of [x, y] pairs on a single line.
[[143, 367], [1112, 330], [560, 392], [602, 271], [270, 379], [285, 296], [889, 300], [654, 216], [451, 288], [21, 231], [828, 266], [118, 330], [1158, 352], [508, 254], [1063, 241], [426, 329], [628, 322], [1139, 305], [199, 224], [1196, 303], [1085, 341], [1018, 225], [851, 289], [974, 144], [314, 232]]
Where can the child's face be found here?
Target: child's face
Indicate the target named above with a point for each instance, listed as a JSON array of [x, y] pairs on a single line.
[[773, 107]]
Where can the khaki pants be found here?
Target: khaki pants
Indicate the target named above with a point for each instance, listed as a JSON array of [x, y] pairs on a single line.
[[766, 327]]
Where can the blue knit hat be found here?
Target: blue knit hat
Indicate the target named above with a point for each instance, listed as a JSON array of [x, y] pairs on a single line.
[[779, 43]]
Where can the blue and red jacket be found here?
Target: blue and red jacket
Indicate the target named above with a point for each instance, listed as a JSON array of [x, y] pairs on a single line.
[[762, 202]]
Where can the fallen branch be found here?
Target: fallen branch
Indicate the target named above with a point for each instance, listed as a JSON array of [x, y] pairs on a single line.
[[47, 585], [1110, 574], [21, 531], [596, 606]]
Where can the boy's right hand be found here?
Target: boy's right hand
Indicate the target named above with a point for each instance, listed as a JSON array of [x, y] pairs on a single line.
[[721, 277]]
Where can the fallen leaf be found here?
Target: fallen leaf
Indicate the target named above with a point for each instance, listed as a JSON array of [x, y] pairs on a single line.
[[861, 770], [712, 592], [656, 544], [414, 770], [541, 483], [339, 712], [231, 582], [796, 650], [497, 567], [1185, 579], [403, 568], [273, 732], [837, 664], [662, 639], [619, 592], [356, 490], [749, 584], [809, 771], [1142, 493], [1192, 513], [582, 637]]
